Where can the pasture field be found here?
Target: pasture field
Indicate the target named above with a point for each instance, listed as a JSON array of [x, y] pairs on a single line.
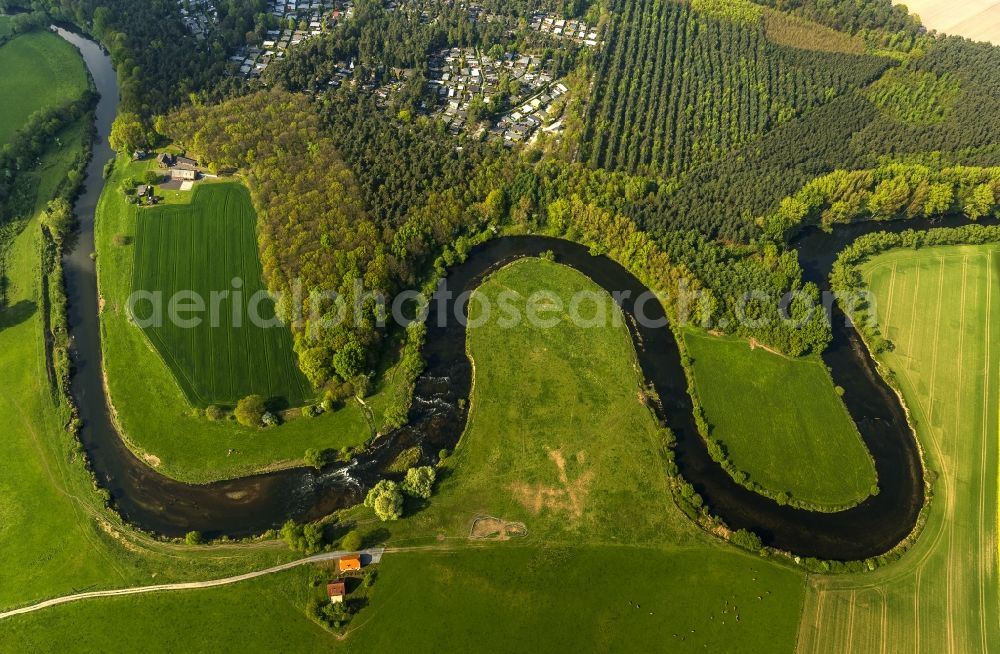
[[39, 70], [941, 308], [54, 535], [206, 247], [781, 421], [155, 416], [487, 599], [608, 562]]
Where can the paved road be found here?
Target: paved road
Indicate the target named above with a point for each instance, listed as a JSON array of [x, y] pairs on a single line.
[[368, 556]]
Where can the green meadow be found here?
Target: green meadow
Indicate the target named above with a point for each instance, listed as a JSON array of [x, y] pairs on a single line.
[[781, 421], [55, 535], [607, 562], [37, 70]]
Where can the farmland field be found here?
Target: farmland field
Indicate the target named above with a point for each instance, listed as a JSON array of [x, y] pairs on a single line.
[[974, 19], [941, 308], [769, 410], [39, 70], [203, 247]]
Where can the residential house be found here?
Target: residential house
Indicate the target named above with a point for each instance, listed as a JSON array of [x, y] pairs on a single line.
[[349, 563]]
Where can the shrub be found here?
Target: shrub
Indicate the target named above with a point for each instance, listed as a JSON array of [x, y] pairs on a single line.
[[419, 482], [747, 540], [303, 538], [250, 411], [193, 538], [269, 419], [320, 458], [214, 412], [386, 499], [351, 541]]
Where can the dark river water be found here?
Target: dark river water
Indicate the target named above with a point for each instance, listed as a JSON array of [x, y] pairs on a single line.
[[254, 504]]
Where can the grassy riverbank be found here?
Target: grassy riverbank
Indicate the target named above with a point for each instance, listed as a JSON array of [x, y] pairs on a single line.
[[781, 421], [55, 535], [39, 70], [941, 309]]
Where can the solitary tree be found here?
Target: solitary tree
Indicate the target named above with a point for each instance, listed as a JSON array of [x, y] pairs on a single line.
[[349, 361], [250, 411], [386, 499], [351, 541], [127, 133], [320, 458], [419, 482]]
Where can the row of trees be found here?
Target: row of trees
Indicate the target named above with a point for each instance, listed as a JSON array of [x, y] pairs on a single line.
[[677, 87], [893, 190], [21, 151]]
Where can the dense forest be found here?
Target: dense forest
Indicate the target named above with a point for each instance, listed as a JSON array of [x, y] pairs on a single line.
[[315, 236], [397, 162], [706, 131]]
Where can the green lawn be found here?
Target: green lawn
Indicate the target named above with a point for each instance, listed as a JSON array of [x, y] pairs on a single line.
[[39, 70], [156, 417], [229, 350], [781, 421], [941, 308], [558, 440]]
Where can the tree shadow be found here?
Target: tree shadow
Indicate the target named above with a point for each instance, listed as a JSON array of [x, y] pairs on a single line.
[[15, 314]]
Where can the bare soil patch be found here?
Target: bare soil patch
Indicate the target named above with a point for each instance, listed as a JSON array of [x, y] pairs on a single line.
[[489, 528]]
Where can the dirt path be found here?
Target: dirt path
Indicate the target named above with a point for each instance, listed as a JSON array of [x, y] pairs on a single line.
[[375, 554]]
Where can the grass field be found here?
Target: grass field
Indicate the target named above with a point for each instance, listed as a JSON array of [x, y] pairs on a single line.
[[941, 309], [495, 599], [39, 70], [557, 439], [781, 421], [156, 417], [205, 247], [53, 534]]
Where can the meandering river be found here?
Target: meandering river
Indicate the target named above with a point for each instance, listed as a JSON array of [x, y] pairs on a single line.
[[254, 504]]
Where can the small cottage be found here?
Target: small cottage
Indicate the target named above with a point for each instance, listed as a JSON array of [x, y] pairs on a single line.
[[336, 590]]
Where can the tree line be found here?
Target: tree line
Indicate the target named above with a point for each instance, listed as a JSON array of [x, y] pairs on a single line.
[[896, 189]]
